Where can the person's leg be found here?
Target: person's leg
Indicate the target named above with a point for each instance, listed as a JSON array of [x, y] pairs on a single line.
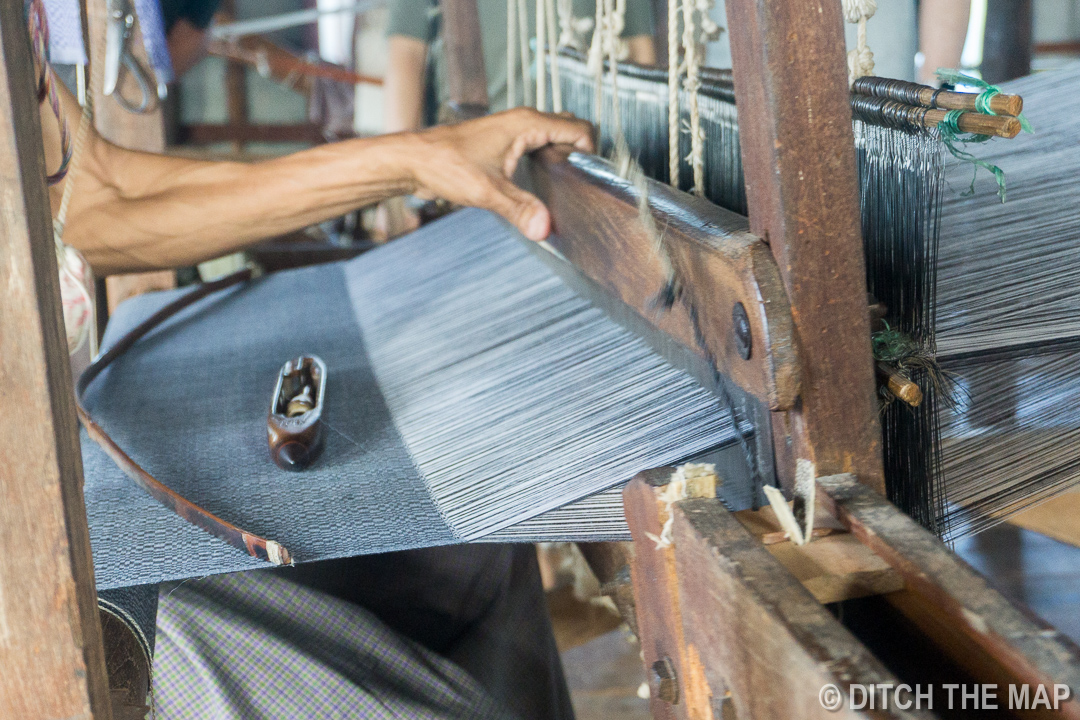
[[480, 605], [253, 646]]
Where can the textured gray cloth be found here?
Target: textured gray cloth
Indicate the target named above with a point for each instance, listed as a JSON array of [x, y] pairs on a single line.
[[189, 403], [469, 389], [252, 646]]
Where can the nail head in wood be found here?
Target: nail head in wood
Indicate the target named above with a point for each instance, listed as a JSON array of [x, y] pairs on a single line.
[[663, 682], [741, 324]]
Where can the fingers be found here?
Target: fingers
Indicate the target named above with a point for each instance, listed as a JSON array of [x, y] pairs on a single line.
[[544, 130], [521, 208]]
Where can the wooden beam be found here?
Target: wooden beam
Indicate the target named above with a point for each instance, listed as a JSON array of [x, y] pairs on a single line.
[[240, 134], [798, 156], [835, 566], [463, 47], [50, 636], [597, 228], [973, 625], [742, 636]]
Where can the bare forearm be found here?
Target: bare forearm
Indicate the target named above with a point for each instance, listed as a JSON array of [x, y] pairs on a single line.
[[942, 30], [147, 211], [642, 50], [404, 85]]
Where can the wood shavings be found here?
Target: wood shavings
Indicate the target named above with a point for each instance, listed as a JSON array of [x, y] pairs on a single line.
[[797, 523], [692, 480]]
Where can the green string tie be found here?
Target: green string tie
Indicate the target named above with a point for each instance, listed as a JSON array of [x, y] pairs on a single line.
[[982, 101], [955, 139]]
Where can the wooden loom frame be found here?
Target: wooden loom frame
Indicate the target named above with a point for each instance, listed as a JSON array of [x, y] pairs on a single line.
[[729, 628], [726, 630]]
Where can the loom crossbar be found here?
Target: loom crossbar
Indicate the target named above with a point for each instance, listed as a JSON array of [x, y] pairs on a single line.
[[597, 228]]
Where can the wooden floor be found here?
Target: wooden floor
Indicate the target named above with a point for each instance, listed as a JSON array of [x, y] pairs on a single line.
[[1032, 569], [604, 674]]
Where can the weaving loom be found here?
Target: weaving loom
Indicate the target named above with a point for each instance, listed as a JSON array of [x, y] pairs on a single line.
[[475, 393], [470, 391], [911, 212]]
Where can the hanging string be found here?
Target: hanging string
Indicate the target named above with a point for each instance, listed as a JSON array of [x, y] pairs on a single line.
[[860, 59], [553, 56], [541, 56], [673, 93], [571, 29], [76, 279], [692, 84], [596, 64], [615, 11], [955, 139], [523, 38], [511, 53]]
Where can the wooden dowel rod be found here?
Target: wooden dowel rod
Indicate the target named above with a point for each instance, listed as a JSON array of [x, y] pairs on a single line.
[[997, 125], [914, 93], [900, 386], [1001, 104]]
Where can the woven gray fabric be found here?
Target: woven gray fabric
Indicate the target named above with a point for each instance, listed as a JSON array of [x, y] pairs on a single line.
[[469, 389], [189, 403], [495, 371]]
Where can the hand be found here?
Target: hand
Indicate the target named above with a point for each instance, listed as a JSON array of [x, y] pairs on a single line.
[[471, 163]]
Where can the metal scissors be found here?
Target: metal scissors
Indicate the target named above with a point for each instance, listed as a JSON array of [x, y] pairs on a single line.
[[119, 57]]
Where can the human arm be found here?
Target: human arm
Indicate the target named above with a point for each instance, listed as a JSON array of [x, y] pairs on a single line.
[[942, 30], [403, 87], [639, 27], [642, 49], [136, 211]]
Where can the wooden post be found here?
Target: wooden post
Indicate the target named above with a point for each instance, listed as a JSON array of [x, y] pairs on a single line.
[[50, 635], [466, 77], [802, 192]]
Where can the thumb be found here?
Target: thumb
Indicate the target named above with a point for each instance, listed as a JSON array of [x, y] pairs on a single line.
[[521, 208]]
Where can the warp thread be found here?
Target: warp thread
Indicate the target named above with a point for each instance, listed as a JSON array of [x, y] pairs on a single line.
[[523, 39], [541, 55], [553, 56], [511, 53]]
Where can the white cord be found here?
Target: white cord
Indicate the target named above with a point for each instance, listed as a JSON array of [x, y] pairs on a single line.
[[673, 93], [553, 54], [541, 56], [523, 38], [511, 53], [692, 84], [860, 59]]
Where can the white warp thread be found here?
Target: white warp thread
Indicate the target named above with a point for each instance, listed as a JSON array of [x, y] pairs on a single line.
[[511, 53], [692, 84], [673, 93], [523, 37], [541, 56]]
